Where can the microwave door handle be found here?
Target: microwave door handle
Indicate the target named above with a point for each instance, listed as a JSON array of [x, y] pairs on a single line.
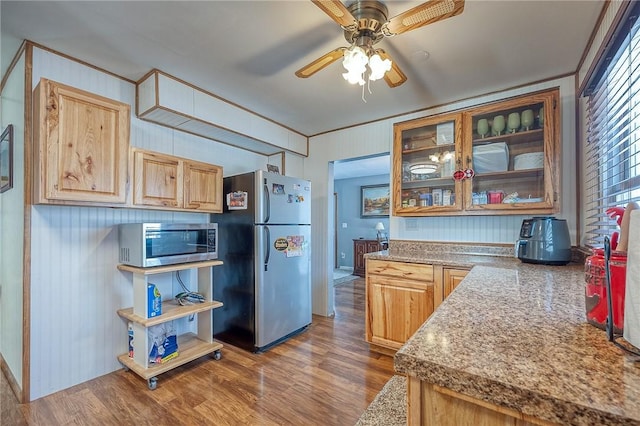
[[267, 205], [267, 251]]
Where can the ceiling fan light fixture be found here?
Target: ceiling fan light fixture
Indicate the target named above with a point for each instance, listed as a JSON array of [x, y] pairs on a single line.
[[378, 67], [355, 62], [365, 23]]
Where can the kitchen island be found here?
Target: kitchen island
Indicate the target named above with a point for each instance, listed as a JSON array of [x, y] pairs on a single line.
[[511, 345]]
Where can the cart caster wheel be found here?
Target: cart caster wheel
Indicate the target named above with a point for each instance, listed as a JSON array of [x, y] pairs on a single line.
[[217, 355], [153, 383]]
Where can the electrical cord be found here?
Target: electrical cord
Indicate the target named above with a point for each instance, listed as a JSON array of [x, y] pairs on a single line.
[[187, 297]]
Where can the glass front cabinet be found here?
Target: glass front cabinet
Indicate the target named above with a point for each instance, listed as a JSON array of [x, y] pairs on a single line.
[[426, 153], [498, 158]]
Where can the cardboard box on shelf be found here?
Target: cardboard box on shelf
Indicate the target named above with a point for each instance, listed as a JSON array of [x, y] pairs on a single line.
[[437, 196], [154, 301]]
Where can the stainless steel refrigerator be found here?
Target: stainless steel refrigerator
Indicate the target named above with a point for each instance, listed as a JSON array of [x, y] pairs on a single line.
[[264, 240]]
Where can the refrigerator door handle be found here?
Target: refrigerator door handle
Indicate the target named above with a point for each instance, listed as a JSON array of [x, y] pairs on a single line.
[[267, 252], [267, 204]]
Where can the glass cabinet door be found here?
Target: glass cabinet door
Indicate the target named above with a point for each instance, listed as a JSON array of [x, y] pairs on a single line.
[[426, 154], [511, 146]]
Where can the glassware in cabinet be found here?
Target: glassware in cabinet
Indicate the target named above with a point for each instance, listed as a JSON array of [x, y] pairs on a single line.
[[512, 147], [427, 152]]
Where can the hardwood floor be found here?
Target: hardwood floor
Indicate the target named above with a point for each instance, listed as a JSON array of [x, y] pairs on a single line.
[[324, 376]]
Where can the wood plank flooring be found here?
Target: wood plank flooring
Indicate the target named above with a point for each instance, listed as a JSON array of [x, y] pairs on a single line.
[[324, 376]]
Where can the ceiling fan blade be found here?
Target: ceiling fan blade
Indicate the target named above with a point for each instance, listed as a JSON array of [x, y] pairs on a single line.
[[320, 63], [336, 11], [426, 13], [394, 77]]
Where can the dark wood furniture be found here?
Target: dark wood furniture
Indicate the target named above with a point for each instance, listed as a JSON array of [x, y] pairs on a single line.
[[360, 248]]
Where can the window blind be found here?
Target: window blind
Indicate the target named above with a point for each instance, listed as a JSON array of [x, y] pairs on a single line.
[[612, 151]]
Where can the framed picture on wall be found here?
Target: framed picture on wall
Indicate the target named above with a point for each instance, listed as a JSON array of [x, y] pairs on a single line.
[[6, 159], [374, 200]]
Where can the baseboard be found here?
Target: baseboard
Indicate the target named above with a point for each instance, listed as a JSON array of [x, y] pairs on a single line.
[[13, 383], [382, 350]]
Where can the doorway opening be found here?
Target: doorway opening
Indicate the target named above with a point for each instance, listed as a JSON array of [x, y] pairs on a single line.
[[350, 176]]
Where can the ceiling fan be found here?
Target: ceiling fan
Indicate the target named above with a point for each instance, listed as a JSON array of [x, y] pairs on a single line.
[[365, 23]]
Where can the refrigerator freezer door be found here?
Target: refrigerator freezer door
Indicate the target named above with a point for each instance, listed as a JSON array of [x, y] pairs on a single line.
[[283, 281], [282, 199]]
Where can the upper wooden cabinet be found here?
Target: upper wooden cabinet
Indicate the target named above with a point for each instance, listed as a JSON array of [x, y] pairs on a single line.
[[516, 167], [512, 147], [426, 152], [202, 186], [172, 183], [81, 146]]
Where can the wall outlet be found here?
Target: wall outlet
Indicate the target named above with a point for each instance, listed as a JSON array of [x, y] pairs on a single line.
[[342, 255], [344, 224]]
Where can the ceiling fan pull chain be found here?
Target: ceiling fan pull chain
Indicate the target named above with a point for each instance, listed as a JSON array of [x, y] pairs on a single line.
[[363, 99]]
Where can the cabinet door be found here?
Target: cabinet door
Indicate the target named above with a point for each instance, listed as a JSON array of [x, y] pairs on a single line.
[[158, 180], [398, 307], [83, 142], [400, 297], [359, 249], [513, 147], [451, 279], [202, 186], [373, 246], [426, 154]]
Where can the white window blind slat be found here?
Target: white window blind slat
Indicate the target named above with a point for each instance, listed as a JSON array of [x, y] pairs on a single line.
[[612, 169]]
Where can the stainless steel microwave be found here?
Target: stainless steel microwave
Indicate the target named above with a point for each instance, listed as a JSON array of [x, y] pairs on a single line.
[[156, 244]]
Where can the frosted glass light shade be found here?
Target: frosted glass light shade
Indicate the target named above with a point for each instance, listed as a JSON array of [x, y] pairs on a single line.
[[378, 67], [355, 62], [424, 168]]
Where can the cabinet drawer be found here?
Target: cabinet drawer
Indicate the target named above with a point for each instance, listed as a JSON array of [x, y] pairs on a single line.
[[414, 271], [398, 282]]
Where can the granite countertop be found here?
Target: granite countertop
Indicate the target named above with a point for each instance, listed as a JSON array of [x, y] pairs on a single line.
[[455, 255], [447, 259], [516, 335], [389, 408]]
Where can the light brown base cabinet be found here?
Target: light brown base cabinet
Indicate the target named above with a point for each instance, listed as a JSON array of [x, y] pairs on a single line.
[[451, 277], [190, 345], [429, 404], [400, 297]]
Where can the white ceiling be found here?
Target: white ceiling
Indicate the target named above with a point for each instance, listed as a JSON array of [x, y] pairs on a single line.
[[247, 51]]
